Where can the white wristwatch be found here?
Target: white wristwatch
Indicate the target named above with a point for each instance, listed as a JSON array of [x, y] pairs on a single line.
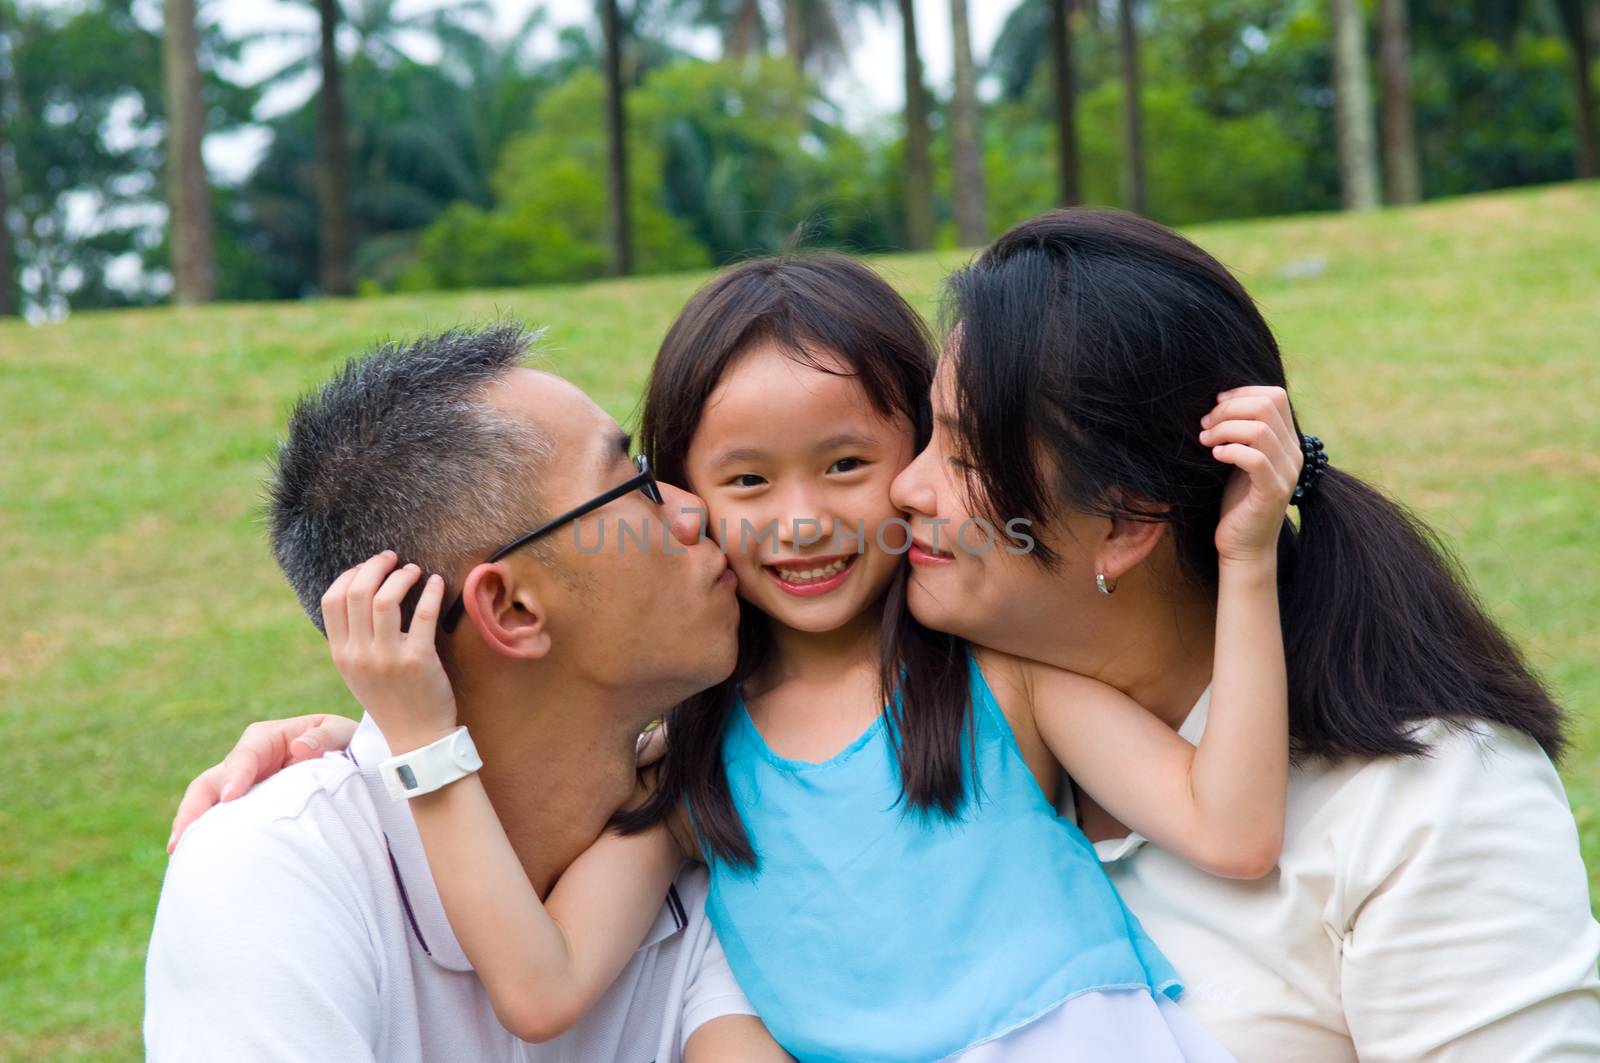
[[422, 771]]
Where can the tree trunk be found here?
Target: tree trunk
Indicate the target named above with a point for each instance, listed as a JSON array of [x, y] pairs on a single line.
[[919, 170], [1134, 194], [966, 136], [1401, 174], [739, 37], [617, 143], [194, 268], [1352, 108], [1575, 24], [1066, 102], [333, 170], [794, 32], [8, 268]]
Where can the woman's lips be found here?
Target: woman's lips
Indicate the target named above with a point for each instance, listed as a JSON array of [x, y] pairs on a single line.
[[810, 577], [925, 557]]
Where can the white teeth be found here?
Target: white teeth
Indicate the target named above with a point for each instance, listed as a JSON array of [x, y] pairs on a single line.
[[806, 575]]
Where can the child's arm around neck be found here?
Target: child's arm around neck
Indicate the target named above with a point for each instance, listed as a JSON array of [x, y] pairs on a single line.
[[1219, 805], [543, 965]]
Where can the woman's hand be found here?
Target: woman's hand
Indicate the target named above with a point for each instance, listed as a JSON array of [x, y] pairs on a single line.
[[1253, 430], [264, 749], [396, 675]]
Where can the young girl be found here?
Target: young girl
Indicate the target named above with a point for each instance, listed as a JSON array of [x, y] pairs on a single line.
[[874, 801]]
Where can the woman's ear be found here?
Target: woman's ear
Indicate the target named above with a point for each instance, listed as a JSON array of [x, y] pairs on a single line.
[[506, 612], [1129, 542]]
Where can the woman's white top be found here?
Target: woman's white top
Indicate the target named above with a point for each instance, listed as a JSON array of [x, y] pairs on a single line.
[[1424, 909]]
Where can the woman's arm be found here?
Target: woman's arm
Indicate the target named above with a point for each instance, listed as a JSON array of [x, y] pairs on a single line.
[[543, 965], [1219, 805]]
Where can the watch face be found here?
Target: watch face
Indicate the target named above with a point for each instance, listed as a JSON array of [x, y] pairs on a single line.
[[408, 778]]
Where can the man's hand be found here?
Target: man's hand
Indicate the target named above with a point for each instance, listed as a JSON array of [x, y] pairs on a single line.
[[264, 749], [396, 675]]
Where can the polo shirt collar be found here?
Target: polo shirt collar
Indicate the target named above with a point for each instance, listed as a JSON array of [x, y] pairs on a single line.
[[1112, 850], [419, 897]]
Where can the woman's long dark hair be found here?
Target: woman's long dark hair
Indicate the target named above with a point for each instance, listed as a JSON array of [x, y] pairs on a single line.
[[1091, 343], [815, 308]]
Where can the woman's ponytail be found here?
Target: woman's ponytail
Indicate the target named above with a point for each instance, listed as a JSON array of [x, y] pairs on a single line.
[[1381, 631]]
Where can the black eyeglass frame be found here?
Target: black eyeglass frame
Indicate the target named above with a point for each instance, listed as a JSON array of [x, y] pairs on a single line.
[[645, 481]]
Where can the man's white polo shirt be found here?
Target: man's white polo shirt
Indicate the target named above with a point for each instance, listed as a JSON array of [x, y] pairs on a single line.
[[300, 922]]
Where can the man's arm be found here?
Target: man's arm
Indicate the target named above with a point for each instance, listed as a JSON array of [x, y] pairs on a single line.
[[1468, 931], [260, 952]]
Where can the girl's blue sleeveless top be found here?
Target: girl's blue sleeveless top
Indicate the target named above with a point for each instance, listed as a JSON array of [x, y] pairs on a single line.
[[871, 932]]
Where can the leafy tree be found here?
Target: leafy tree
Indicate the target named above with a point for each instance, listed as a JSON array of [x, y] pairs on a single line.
[[550, 223], [85, 121]]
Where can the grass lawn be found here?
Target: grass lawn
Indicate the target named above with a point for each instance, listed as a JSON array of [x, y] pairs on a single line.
[[1449, 352]]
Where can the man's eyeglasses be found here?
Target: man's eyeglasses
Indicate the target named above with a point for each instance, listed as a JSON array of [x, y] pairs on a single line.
[[645, 482]]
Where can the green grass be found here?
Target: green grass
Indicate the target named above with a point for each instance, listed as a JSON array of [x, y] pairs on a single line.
[[1449, 352]]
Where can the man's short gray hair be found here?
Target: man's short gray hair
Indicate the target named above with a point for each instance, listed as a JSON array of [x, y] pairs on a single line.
[[399, 451]]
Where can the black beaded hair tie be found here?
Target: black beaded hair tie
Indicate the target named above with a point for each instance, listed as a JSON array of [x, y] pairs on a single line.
[[1315, 464]]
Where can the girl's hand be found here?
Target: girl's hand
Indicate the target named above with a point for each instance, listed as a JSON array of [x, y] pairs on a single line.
[[1253, 429], [397, 676]]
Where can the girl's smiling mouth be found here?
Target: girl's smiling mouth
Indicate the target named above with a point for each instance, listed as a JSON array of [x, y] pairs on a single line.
[[807, 577]]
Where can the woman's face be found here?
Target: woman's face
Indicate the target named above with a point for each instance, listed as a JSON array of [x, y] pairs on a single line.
[[1000, 597], [793, 463]]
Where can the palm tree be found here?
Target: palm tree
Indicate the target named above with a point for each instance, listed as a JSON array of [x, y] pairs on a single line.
[[616, 136], [919, 168], [1579, 25], [1133, 180], [1576, 26], [188, 194], [8, 269], [1352, 107], [966, 137], [1066, 101], [378, 29], [333, 162], [746, 31], [814, 30], [1401, 173]]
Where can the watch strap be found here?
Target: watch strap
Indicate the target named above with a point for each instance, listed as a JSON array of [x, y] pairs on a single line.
[[438, 764]]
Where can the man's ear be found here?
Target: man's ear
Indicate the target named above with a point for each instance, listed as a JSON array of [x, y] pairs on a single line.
[[1129, 542], [506, 612]]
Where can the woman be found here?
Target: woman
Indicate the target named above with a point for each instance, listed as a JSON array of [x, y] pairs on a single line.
[[1430, 902]]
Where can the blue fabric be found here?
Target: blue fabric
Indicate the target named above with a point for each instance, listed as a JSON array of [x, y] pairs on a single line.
[[870, 933]]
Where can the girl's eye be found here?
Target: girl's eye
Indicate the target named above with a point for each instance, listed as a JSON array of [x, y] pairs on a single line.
[[846, 465], [746, 479]]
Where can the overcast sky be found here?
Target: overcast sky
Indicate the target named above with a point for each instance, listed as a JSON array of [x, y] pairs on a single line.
[[869, 88]]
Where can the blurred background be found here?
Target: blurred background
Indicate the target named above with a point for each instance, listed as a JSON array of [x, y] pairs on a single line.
[[275, 150], [207, 209]]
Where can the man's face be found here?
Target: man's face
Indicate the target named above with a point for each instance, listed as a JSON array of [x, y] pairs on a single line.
[[652, 605]]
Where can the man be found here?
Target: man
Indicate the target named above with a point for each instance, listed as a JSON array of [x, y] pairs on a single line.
[[301, 921]]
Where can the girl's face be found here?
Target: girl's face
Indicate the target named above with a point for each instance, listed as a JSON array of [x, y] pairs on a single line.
[[794, 465]]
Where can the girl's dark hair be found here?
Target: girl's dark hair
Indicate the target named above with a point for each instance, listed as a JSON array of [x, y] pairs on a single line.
[[821, 310], [1090, 345]]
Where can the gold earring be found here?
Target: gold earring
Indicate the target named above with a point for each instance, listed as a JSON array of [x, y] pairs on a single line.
[[1105, 586]]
